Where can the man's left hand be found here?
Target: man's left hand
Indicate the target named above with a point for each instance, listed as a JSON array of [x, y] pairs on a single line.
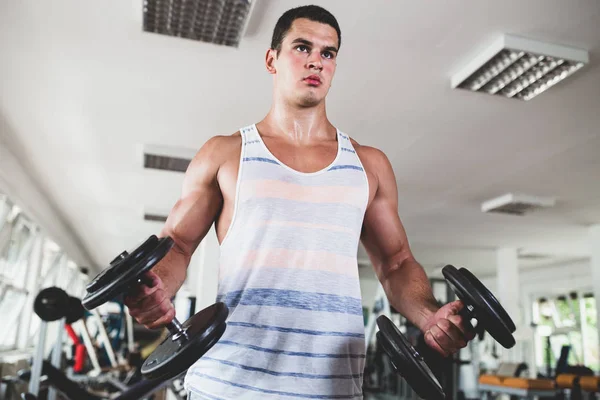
[[447, 331]]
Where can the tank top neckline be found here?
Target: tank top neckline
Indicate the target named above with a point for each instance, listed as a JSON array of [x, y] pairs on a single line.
[[335, 160]]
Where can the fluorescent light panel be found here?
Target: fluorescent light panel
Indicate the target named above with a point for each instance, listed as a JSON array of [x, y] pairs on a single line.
[[519, 68], [220, 22]]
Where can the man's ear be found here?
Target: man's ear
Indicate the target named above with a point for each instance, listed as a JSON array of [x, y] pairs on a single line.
[[270, 61]]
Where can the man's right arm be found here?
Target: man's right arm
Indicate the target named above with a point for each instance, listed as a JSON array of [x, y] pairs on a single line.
[[188, 222]]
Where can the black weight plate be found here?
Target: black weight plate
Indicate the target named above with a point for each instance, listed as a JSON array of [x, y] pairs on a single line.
[[492, 299], [51, 304], [97, 281], [125, 254], [106, 274], [121, 263], [129, 273], [486, 310], [172, 357], [74, 310], [407, 362]]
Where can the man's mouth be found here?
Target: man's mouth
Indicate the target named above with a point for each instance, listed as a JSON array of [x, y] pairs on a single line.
[[313, 80]]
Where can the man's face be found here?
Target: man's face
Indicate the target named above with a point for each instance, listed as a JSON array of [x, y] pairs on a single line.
[[305, 66]]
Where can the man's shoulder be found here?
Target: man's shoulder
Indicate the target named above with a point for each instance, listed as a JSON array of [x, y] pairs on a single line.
[[222, 144], [369, 155], [225, 140], [217, 150]]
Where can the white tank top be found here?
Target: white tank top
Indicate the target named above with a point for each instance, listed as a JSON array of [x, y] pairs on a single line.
[[288, 272]]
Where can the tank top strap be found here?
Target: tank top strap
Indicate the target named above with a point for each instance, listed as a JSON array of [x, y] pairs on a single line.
[[252, 145], [347, 159]]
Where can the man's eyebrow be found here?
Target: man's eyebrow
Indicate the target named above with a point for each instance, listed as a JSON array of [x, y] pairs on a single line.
[[311, 44]]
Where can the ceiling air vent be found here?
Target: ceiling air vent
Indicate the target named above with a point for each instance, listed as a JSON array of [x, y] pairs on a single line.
[[153, 217], [167, 158], [221, 22], [519, 68], [516, 204]]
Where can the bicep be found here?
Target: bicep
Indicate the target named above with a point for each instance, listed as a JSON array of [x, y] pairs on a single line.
[[384, 236], [200, 202]]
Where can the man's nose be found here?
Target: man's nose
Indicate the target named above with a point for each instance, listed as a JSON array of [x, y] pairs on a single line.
[[314, 61]]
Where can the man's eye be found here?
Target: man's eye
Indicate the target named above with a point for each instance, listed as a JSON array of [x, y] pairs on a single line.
[[302, 48], [327, 54]]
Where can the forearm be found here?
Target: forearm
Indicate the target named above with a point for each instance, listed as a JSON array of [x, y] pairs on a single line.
[[409, 291], [172, 269], [188, 223]]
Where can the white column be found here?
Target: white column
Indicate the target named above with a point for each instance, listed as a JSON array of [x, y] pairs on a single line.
[[208, 268], [595, 265], [202, 277], [508, 292]]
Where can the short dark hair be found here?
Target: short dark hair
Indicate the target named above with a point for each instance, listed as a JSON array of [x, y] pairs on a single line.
[[313, 13]]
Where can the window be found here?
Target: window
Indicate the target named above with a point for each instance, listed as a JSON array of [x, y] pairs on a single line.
[[590, 331], [29, 261], [11, 305], [570, 321], [17, 234]]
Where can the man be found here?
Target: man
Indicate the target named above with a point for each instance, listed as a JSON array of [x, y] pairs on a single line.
[[291, 196]]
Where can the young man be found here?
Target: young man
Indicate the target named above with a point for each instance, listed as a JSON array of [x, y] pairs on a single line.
[[291, 196]]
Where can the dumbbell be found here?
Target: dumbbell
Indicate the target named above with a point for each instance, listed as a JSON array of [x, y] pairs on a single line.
[[186, 342], [479, 304], [51, 304]]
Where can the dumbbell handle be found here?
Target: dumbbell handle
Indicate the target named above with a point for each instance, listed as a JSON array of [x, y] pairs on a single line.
[[175, 327], [468, 314]]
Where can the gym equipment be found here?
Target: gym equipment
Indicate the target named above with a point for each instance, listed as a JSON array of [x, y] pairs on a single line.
[[186, 342], [479, 304], [75, 391], [204, 328], [74, 310], [491, 386], [50, 304], [407, 362]]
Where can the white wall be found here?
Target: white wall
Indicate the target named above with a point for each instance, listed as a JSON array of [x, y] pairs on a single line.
[[18, 184], [554, 279], [206, 276], [368, 285]]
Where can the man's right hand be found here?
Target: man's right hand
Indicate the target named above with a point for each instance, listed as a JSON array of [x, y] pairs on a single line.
[[188, 222], [150, 305]]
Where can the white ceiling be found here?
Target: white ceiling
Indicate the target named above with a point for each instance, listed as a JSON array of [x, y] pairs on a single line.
[[82, 89]]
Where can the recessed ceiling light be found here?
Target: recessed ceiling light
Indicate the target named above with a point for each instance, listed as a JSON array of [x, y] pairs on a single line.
[[519, 68]]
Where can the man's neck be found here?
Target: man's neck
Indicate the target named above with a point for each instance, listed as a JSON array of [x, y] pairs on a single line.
[[296, 124]]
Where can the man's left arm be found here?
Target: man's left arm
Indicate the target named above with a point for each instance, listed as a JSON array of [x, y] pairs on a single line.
[[404, 280]]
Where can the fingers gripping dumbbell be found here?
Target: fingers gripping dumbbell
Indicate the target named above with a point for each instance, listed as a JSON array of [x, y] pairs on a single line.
[[187, 341], [479, 304]]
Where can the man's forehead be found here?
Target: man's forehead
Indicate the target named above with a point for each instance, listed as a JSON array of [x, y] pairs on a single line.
[[316, 32]]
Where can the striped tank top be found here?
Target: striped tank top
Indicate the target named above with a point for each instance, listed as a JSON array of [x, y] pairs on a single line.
[[288, 272]]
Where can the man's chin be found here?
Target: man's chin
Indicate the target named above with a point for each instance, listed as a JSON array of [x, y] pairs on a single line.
[[310, 101]]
